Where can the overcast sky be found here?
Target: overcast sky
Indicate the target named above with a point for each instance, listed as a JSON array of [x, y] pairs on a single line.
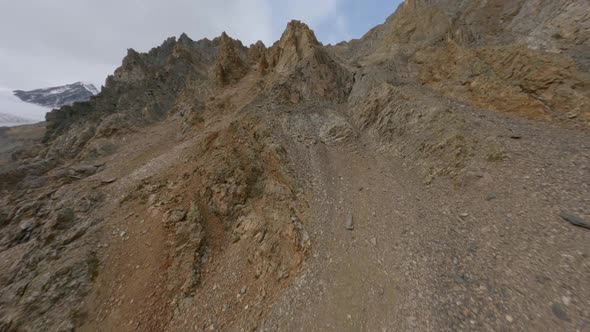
[[53, 42]]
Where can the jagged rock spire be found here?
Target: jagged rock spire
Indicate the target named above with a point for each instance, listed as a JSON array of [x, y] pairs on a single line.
[[305, 68], [231, 64]]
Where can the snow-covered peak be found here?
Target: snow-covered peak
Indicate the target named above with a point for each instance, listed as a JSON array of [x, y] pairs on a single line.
[[59, 96], [90, 87]]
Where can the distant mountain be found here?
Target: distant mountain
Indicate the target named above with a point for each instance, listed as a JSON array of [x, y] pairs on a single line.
[[59, 96]]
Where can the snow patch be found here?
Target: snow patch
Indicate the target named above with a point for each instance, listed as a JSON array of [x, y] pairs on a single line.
[[12, 105], [90, 87]]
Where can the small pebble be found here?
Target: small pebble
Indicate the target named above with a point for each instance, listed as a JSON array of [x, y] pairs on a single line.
[[575, 220], [559, 312], [349, 222]]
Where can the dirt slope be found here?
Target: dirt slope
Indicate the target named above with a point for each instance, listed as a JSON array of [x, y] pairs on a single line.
[[427, 177], [486, 250]]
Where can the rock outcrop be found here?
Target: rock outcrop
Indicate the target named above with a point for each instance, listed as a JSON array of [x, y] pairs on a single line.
[[232, 62], [300, 64], [493, 56]]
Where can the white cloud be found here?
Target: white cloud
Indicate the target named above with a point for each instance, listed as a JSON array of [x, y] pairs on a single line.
[[9, 104], [323, 16], [341, 31], [312, 11]]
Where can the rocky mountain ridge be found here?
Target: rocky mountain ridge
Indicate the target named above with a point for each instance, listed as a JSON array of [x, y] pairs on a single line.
[[413, 179]]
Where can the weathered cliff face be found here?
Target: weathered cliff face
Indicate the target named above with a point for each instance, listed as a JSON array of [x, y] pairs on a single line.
[[299, 64], [232, 61], [491, 55], [511, 79], [562, 22]]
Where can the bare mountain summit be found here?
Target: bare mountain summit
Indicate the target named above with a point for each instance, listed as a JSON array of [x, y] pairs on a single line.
[[430, 176]]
